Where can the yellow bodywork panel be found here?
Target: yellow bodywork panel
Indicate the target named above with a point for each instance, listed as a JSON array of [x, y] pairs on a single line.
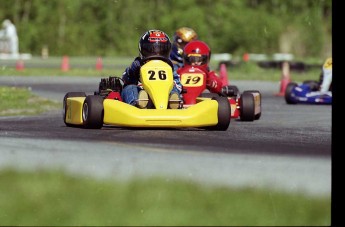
[[204, 113], [157, 79], [74, 109]]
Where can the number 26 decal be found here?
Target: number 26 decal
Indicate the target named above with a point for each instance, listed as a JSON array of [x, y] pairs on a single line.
[[161, 75]]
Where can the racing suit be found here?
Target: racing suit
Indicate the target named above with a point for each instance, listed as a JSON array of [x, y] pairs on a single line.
[[213, 82], [326, 76], [132, 84], [176, 57]]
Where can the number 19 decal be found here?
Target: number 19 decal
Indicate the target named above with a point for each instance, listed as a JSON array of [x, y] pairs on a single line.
[[192, 79]]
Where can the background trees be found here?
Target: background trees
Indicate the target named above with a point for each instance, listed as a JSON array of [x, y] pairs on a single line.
[[113, 27]]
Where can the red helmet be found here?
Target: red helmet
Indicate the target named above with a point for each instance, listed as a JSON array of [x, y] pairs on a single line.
[[197, 53]]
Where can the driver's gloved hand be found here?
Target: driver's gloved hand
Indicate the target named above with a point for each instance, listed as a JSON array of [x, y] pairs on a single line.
[[116, 83]]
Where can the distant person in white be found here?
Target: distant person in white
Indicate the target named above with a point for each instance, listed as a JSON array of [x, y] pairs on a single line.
[[9, 31], [325, 81], [326, 77]]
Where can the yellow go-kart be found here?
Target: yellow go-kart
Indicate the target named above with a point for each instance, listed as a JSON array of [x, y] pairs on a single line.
[[106, 107]]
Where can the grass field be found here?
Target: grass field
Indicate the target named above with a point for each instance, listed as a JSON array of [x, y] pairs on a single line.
[[45, 198], [86, 66], [20, 101]]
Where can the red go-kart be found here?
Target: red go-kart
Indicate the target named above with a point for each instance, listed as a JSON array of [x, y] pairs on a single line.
[[245, 106]]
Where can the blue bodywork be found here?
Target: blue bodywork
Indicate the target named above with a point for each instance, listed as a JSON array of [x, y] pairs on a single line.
[[303, 93]]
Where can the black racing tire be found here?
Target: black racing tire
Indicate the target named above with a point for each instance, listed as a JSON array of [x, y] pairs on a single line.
[[288, 91], [224, 114], [237, 91], [234, 91], [257, 116], [209, 95], [92, 112], [247, 107], [64, 105]]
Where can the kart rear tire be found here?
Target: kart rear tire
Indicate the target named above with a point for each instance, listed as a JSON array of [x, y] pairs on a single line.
[[257, 116], [92, 112], [247, 107], [224, 114], [64, 104], [288, 91]]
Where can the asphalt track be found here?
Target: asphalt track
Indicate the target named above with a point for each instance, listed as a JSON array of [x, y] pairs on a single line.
[[288, 148]]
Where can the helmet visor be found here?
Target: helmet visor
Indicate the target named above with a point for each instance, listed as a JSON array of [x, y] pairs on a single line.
[[196, 59], [180, 43], [150, 49]]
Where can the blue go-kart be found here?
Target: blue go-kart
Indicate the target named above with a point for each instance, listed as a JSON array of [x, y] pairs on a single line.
[[307, 93]]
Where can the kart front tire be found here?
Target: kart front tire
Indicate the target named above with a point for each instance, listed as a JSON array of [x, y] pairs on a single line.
[[64, 104], [289, 88], [92, 112], [224, 114]]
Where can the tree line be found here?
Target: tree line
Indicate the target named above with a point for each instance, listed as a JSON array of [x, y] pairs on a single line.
[[113, 27]]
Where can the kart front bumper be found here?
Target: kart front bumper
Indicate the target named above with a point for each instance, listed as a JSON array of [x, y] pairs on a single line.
[[117, 113], [204, 113]]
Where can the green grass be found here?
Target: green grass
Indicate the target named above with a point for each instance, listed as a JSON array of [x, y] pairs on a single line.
[[79, 66], [87, 72], [54, 198], [85, 66], [20, 101], [251, 71]]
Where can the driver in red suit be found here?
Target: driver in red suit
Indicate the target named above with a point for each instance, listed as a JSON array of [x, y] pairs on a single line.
[[198, 54]]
